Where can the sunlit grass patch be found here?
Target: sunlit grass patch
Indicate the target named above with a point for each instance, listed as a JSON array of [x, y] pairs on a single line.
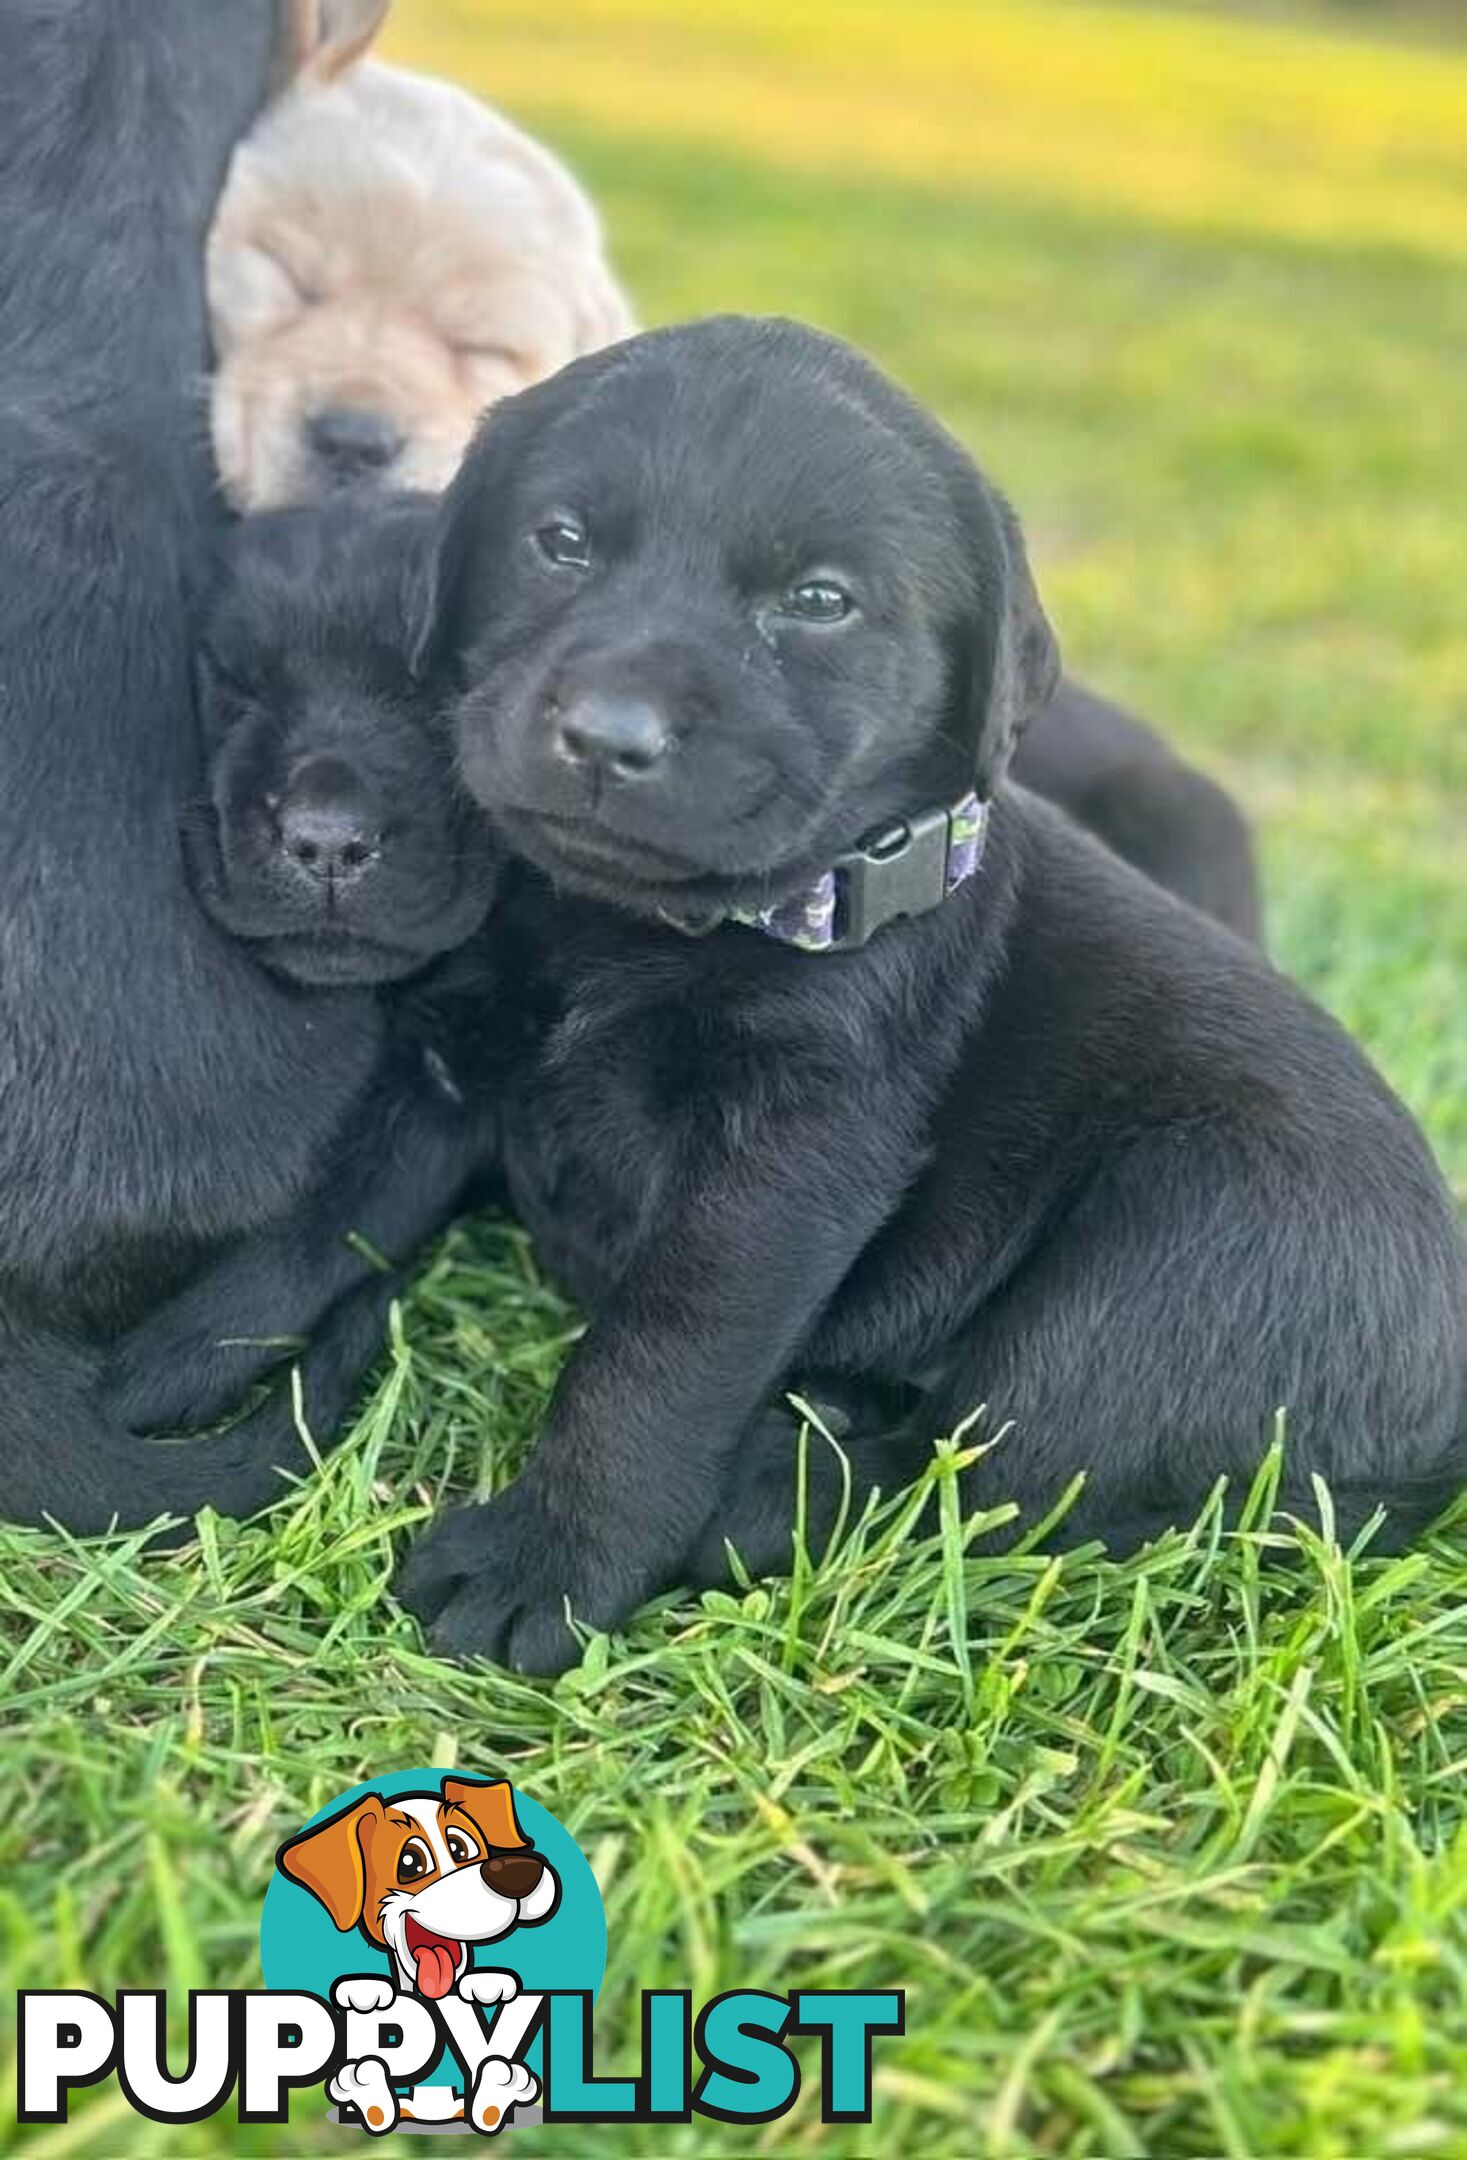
[[1198, 121]]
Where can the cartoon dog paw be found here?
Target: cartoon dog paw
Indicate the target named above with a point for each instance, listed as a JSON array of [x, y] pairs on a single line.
[[488, 1987], [499, 2088], [365, 1994], [363, 2086]]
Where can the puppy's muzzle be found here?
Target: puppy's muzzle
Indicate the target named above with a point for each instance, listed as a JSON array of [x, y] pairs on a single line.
[[350, 443], [513, 1875]]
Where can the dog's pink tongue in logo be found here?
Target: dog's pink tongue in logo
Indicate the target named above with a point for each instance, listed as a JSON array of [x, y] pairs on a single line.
[[435, 1957]]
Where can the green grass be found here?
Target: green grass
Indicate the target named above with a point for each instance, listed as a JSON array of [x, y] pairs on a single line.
[[1171, 1856]]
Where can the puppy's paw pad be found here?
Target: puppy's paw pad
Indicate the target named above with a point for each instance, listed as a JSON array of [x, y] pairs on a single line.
[[364, 2086], [499, 2088]]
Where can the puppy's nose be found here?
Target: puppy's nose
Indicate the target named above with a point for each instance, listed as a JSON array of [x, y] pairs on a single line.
[[351, 441], [513, 1875], [624, 736], [329, 826]]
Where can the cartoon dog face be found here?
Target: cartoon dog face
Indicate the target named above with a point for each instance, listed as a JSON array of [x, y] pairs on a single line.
[[424, 1875], [389, 258]]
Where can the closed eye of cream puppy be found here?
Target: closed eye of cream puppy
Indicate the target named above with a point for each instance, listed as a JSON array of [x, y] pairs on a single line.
[[389, 258]]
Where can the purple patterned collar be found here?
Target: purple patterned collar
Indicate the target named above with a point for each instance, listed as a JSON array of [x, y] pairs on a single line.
[[906, 868]]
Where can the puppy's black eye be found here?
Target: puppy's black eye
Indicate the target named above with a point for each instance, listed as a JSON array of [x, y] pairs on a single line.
[[414, 1861], [818, 600], [461, 1847], [565, 542]]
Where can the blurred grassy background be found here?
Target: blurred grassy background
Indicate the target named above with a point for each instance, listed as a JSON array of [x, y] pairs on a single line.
[[1193, 283]]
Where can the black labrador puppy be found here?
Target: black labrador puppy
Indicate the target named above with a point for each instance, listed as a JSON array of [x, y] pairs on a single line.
[[160, 1094], [334, 842], [836, 1056], [334, 838]]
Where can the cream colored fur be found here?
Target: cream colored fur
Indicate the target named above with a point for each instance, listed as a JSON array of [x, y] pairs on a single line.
[[385, 241]]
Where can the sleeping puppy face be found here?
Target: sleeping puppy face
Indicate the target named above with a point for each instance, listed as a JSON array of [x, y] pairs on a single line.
[[334, 839], [389, 259], [715, 604]]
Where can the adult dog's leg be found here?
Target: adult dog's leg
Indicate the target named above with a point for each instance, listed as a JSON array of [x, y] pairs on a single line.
[[158, 1092]]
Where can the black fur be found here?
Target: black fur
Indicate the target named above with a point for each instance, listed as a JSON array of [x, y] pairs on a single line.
[[1127, 786], [159, 1093], [303, 665], [304, 670], [1060, 1147], [308, 704]]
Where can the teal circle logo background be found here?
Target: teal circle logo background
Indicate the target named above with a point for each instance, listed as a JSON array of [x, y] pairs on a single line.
[[301, 1946]]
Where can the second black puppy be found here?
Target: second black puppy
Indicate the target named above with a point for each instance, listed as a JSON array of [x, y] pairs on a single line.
[[739, 644], [334, 842], [332, 839]]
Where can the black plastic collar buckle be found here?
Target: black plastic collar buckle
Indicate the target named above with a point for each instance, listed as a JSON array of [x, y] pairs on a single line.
[[899, 869]]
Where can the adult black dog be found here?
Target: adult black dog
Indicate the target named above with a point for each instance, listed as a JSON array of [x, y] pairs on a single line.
[[159, 1093], [738, 644]]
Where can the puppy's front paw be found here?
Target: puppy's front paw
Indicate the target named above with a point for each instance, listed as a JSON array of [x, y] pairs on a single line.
[[363, 2086], [364, 1993], [494, 1582], [165, 1379], [488, 1987], [499, 2088]]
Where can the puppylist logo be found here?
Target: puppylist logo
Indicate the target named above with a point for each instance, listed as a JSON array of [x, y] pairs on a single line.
[[432, 1947], [416, 1928]]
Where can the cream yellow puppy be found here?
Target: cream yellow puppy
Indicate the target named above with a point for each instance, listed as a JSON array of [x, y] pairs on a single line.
[[389, 258]]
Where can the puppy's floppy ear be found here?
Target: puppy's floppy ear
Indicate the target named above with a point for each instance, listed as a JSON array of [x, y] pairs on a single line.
[[490, 1808], [330, 1862], [1012, 657], [443, 603], [436, 586], [321, 37], [455, 594]]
